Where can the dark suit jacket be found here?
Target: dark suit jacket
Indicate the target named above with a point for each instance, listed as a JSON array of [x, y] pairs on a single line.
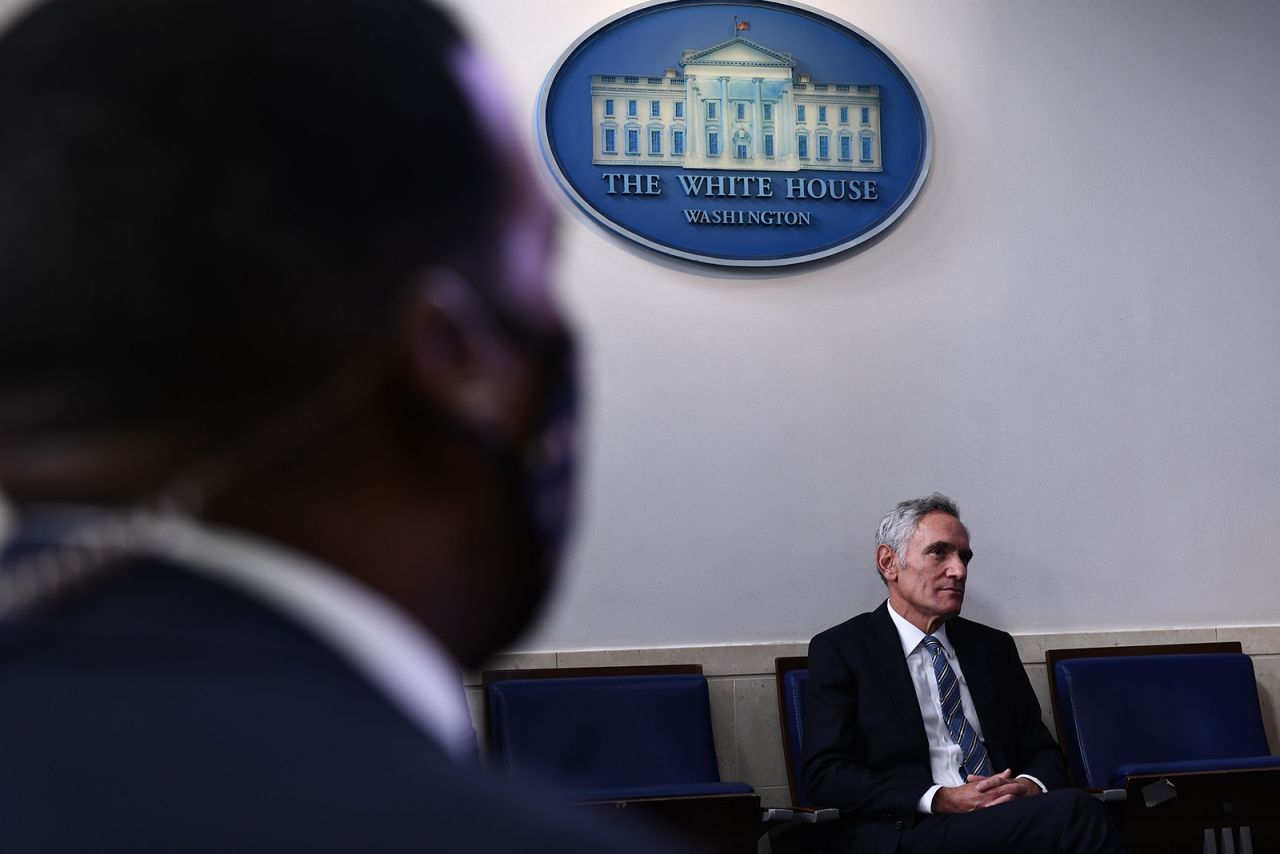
[[864, 743], [158, 711]]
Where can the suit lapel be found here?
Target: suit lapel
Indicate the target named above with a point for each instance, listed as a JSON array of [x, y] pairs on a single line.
[[886, 649]]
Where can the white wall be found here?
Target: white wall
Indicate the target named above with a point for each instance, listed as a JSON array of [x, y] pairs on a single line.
[[1075, 332]]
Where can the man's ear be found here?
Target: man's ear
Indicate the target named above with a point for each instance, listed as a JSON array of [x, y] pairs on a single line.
[[887, 562], [457, 357]]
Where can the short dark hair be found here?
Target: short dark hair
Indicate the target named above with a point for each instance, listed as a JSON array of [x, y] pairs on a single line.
[[206, 206]]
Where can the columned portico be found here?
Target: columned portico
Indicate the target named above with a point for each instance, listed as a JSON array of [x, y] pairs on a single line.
[[739, 77]]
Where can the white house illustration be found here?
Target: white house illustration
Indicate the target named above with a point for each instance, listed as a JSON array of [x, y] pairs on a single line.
[[736, 106]]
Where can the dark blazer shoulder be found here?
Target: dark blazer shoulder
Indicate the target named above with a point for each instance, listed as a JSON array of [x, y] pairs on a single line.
[[866, 623], [968, 634]]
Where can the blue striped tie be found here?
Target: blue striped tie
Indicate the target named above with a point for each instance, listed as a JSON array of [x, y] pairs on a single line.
[[975, 759]]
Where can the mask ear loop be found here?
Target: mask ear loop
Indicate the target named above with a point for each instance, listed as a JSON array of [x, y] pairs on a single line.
[[298, 427], [93, 549]]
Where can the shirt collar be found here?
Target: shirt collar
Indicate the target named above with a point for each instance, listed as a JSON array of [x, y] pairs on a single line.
[[380, 641], [910, 636]]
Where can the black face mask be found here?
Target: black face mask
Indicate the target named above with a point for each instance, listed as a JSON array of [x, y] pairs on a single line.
[[544, 467], [549, 469]]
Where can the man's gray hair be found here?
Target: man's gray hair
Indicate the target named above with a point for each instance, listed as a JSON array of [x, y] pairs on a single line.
[[901, 522]]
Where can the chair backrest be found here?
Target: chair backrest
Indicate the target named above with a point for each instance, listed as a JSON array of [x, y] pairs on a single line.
[[603, 728], [1053, 656], [791, 674], [1116, 713]]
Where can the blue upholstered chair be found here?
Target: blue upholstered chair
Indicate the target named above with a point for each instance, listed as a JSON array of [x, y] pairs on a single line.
[[639, 736], [1135, 715], [792, 676]]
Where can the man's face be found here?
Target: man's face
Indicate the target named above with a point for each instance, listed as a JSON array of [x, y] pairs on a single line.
[[926, 585]]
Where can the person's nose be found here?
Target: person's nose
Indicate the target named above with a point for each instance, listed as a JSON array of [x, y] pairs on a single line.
[[956, 569]]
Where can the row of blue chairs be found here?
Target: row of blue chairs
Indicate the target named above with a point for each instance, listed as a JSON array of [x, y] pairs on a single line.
[[641, 737]]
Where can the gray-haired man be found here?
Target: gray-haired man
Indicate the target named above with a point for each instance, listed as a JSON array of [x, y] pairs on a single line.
[[923, 727]]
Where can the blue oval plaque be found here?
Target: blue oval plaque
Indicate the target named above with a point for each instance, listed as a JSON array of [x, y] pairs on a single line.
[[748, 134]]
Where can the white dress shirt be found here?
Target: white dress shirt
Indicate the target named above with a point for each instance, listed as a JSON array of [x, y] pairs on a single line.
[[381, 642], [945, 755]]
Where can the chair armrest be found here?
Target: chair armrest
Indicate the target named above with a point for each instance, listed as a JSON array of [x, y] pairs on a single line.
[[714, 823], [813, 815], [1107, 795]]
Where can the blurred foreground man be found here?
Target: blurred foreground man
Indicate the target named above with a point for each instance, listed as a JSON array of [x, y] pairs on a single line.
[[286, 418], [923, 727]]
